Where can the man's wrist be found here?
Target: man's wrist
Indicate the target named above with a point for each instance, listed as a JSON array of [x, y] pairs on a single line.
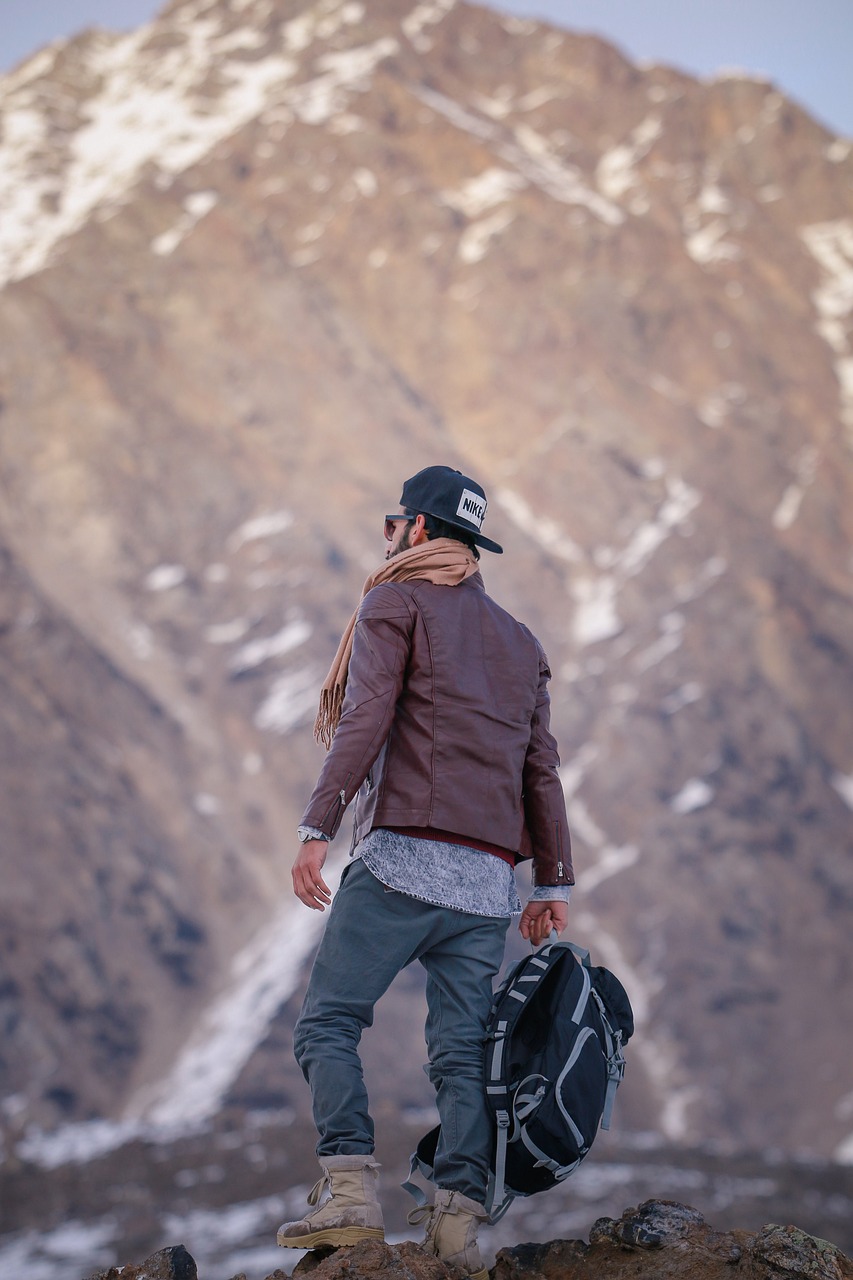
[[551, 893], [305, 833]]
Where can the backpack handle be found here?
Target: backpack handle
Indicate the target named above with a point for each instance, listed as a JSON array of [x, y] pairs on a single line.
[[581, 952]]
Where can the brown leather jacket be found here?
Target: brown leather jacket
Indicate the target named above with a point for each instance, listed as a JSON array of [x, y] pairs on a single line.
[[445, 725]]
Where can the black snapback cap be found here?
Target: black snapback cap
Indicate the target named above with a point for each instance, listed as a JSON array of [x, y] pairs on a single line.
[[450, 496]]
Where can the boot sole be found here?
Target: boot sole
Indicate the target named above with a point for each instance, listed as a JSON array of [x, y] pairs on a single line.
[[335, 1236]]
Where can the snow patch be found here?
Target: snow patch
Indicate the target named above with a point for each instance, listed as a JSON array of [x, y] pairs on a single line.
[[263, 526], [595, 595], [529, 154], [573, 773], [497, 107], [365, 182], [425, 15], [492, 187], [541, 529], [640, 991], [681, 697], [616, 171], [165, 577], [66, 1250], [712, 200], [348, 71], [263, 975], [789, 507], [206, 804], [668, 389], [843, 784], [293, 696], [141, 640], [805, 466], [680, 501], [77, 1143], [539, 97], [215, 1231], [476, 239], [670, 640], [714, 409], [708, 246], [316, 24], [257, 652], [838, 150], [844, 1151], [595, 617], [610, 862], [831, 245], [695, 794], [310, 233]]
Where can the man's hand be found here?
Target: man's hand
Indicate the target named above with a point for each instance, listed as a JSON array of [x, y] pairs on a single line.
[[539, 918], [308, 884]]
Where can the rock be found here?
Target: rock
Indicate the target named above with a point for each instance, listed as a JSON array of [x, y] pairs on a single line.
[[655, 1222], [174, 1263], [664, 1240], [792, 1252], [406, 1261]]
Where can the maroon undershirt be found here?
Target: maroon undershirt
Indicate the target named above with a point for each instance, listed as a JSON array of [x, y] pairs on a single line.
[[448, 837]]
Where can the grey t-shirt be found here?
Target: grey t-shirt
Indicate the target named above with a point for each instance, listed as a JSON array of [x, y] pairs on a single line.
[[447, 875]]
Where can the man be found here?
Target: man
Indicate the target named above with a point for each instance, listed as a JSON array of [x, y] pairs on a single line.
[[436, 714]]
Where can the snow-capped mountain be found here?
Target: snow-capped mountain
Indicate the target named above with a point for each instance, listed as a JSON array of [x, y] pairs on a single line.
[[262, 260]]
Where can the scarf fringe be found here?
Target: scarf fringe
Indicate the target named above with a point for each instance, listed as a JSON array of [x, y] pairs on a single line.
[[328, 715]]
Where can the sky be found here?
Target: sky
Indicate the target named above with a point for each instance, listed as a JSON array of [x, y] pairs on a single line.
[[804, 46]]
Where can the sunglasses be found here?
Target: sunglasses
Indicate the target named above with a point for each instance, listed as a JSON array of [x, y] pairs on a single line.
[[390, 521]]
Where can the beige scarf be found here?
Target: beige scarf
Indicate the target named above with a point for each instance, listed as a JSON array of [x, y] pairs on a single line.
[[443, 561]]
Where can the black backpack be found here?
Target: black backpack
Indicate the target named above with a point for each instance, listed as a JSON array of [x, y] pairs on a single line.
[[553, 1063]]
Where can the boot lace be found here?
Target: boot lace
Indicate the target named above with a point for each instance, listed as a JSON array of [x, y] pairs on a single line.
[[427, 1215], [319, 1187]]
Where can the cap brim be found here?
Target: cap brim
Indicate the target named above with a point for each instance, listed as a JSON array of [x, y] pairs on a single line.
[[487, 544]]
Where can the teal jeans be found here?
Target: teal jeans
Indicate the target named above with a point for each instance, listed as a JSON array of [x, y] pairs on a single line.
[[371, 935]]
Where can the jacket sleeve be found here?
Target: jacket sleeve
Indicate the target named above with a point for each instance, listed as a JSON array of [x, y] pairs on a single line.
[[380, 653], [546, 823]]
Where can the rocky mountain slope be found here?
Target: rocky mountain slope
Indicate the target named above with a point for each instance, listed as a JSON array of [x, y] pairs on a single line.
[[264, 259]]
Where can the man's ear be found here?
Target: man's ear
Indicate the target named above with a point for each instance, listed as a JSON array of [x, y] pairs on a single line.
[[418, 534]]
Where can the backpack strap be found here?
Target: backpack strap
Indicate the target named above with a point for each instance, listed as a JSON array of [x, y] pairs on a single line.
[[498, 1199], [615, 1061], [416, 1165]]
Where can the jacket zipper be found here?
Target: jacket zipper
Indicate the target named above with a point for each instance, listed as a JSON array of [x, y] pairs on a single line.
[[337, 807], [561, 873]]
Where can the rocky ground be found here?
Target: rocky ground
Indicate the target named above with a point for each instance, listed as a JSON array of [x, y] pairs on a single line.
[[658, 1240]]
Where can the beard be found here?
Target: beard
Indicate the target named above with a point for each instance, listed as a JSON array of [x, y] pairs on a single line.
[[403, 545]]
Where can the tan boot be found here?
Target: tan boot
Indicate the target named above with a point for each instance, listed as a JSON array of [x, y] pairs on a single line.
[[351, 1212], [451, 1231]]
